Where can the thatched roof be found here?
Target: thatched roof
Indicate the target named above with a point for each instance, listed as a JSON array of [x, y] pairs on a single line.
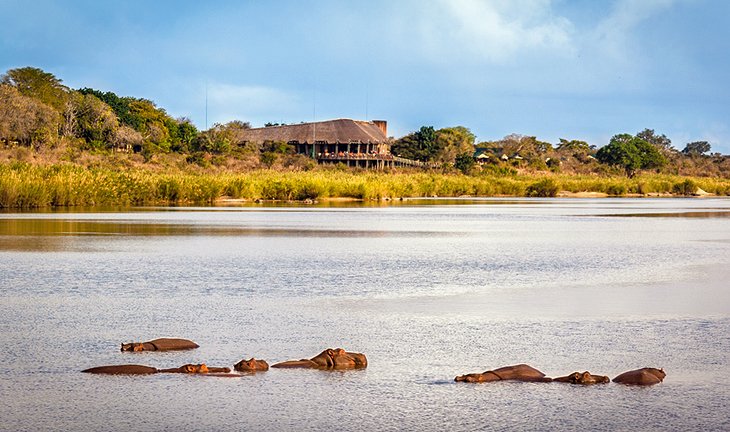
[[330, 131]]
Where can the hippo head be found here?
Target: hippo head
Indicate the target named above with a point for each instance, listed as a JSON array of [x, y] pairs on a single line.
[[586, 378], [191, 368], [134, 346], [338, 358], [659, 373], [251, 365]]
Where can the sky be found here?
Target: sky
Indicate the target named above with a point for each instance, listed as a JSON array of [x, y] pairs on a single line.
[[573, 69]]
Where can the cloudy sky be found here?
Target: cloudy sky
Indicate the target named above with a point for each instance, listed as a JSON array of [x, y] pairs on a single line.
[[578, 69]]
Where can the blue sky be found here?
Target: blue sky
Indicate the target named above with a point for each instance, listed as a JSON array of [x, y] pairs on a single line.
[[579, 69]]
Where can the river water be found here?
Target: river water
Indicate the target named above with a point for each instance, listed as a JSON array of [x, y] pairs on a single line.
[[426, 289]]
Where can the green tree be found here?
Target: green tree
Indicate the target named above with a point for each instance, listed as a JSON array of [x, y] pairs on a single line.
[[696, 148], [660, 141], [186, 134], [95, 120], [573, 146], [452, 142], [421, 145], [38, 84], [464, 162], [630, 153], [120, 105]]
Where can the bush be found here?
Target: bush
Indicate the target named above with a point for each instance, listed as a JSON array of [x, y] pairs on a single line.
[[543, 188], [686, 188], [616, 189]]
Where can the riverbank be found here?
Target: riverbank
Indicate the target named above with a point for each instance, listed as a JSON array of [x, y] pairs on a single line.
[[24, 185]]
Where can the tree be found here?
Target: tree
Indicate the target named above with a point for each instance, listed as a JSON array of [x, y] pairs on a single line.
[[696, 148], [38, 84], [464, 162], [186, 134], [660, 141], [95, 120], [630, 153], [573, 147], [421, 145], [25, 119], [120, 105], [452, 142]]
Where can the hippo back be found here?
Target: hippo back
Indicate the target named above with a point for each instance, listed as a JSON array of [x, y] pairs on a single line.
[[122, 370], [170, 344], [644, 376], [521, 372]]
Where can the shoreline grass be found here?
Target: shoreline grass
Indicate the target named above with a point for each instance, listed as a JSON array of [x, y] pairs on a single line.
[[24, 185]]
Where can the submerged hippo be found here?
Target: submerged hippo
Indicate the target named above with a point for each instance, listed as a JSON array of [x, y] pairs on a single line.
[[521, 372], [162, 344], [251, 365], [336, 358], [643, 376], [130, 369], [196, 369], [585, 378], [147, 370]]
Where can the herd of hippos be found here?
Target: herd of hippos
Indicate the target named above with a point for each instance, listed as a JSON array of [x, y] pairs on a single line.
[[340, 359]]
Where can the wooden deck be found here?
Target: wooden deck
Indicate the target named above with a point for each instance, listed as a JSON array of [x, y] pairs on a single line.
[[376, 161]]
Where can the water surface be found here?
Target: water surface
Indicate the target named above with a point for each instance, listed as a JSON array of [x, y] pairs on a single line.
[[427, 289]]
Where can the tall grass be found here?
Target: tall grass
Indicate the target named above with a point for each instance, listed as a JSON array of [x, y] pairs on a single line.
[[23, 185]]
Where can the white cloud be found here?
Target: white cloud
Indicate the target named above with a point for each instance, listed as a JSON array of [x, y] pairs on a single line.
[[614, 34], [493, 31]]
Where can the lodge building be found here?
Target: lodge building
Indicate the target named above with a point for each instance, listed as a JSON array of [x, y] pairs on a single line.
[[355, 143]]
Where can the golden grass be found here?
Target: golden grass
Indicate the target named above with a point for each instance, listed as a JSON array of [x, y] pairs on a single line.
[[25, 185]]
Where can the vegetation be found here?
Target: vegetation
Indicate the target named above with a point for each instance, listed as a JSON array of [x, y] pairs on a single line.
[[65, 147], [630, 153], [24, 185]]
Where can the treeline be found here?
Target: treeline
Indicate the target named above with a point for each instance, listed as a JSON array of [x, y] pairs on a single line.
[[37, 111], [625, 153]]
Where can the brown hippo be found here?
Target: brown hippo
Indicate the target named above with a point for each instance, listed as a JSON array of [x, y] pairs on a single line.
[[521, 372], [196, 369], [122, 370], [251, 365], [162, 344], [643, 376], [585, 378], [336, 358]]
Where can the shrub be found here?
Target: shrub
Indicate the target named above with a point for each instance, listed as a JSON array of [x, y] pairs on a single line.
[[543, 188], [616, 189], [687, 187]]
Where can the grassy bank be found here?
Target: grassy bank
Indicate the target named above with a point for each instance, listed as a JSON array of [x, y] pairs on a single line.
[[24, 185]]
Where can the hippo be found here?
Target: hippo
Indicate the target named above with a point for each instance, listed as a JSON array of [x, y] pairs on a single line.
[[251, 365], [162, 344], [585, 378], [643, 376], [336, 358], [129, 369], [196, 369], [521, 372]]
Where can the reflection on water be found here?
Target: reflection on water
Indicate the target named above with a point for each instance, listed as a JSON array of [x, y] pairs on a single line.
[[427, 291]]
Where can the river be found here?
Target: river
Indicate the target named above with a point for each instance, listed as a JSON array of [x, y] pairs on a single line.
[[427, 289]]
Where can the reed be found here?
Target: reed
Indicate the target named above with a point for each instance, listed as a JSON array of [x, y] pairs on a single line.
[[23, 185]]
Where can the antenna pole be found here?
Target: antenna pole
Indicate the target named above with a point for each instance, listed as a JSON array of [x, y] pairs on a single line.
[[367, 99], [206, 104]]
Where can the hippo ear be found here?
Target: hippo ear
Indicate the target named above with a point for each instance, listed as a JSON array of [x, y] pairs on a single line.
[[330, 352]]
